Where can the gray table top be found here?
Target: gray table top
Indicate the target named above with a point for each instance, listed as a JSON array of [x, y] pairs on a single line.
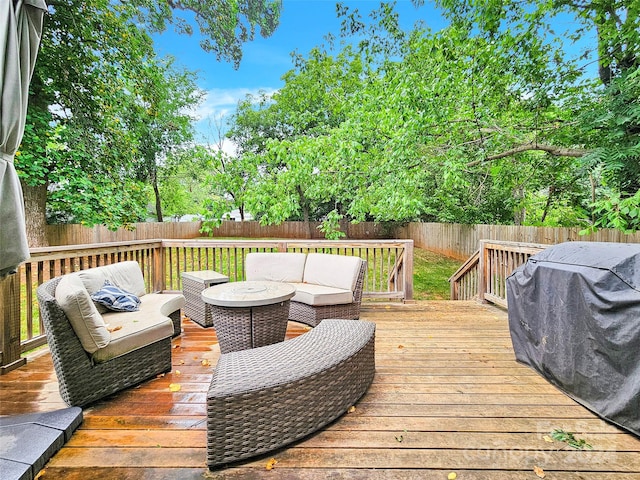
[[206, 276], [248, 294]]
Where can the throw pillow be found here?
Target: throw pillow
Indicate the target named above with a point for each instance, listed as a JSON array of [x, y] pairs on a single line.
[[116, 299]]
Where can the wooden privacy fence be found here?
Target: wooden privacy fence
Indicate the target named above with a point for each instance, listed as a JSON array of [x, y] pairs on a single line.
[[389, 274], [461, 241], [73, 234], [484, 274]]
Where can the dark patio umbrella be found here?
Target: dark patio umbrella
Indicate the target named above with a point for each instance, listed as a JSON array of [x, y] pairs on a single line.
[[20, 32]]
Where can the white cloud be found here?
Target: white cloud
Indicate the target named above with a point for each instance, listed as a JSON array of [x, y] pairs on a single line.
[[220, 102], [218, 106]]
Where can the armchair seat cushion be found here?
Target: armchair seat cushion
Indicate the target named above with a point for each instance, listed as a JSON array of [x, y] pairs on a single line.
[[165, 303], [133, 330], [317, 295]]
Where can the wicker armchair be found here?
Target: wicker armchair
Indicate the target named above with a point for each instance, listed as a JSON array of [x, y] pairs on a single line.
[[81, 380], [313, 315]]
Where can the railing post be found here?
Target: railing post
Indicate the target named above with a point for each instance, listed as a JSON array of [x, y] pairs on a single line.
[[408, 271], [483, 265], [158, 278], [10, 324]]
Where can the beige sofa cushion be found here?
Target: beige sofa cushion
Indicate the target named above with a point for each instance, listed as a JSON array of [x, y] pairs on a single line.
[[126, 275], [82, 313], [275, 267], [164, 303], [336, 271], [318, 295], [133, 330]]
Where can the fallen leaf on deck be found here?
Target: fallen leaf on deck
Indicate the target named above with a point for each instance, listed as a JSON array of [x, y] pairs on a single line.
[[399, 439], [547, 438], [452, 476], [351, 409], [174, 387], [178, 372], [114, 329], [539, 472], [271, 463], [181, 362], [400, 347], [205, 362], [570, 439]]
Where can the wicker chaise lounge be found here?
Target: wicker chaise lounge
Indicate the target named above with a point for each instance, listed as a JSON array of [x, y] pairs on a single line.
[[264, 398]]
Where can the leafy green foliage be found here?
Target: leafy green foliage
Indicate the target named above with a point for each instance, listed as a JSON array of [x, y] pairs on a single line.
[[111, 110], [224, 24], [570, 439], [487, 121]]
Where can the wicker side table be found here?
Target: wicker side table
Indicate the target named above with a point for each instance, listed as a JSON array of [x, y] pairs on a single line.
[[193, 284]]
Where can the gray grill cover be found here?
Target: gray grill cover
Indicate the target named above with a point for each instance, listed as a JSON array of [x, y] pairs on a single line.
[[574, 316]]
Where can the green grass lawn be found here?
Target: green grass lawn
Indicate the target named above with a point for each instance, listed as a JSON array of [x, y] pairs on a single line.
[[431, 272]]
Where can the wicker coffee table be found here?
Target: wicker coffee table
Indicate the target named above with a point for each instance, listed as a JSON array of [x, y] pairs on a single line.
[[249, 314]]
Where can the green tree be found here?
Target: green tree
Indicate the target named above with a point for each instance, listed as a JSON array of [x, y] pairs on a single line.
[[161, 119], [224, 24], [94, 56], [605, 131]]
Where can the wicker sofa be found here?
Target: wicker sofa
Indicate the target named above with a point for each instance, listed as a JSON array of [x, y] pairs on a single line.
[[264, 398], [97, 352], [327, 286]]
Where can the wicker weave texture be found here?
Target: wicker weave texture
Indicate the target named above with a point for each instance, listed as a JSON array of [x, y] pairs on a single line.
[[268, 397], [195, 308], [240, 328], [313, 315], [80, 380]]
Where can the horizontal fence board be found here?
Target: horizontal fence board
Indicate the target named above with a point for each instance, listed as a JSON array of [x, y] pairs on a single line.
[[461, 241], [73, 234]]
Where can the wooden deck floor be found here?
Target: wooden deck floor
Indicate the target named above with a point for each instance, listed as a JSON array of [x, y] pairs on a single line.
[[447, 397]]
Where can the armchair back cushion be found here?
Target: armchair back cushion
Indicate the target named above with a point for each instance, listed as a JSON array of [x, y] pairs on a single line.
[[126, 275], [82, 313], [275, 267], [336, 271]]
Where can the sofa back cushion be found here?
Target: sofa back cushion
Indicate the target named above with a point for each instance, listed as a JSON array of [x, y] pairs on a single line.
[[82, 313], [126, 275], [337, 271], [275, 267]]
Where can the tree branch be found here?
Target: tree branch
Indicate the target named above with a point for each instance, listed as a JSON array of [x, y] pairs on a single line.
[[527, 147]]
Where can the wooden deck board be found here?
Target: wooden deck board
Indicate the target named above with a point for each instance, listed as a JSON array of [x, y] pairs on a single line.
[[448, 396]]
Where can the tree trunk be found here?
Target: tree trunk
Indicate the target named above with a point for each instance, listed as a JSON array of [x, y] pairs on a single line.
[[545, 212], [156, 192], [35, 208], [305, 210], [520, 214]]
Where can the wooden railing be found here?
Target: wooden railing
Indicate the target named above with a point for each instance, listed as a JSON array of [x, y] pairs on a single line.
[[484, 274], [464, 282], [389, 274]]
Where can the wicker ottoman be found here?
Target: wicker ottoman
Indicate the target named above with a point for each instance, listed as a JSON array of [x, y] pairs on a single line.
[[264, 398], [193, 284]]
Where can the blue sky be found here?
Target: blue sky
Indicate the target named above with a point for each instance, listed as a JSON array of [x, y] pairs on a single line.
[[303, 25]]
